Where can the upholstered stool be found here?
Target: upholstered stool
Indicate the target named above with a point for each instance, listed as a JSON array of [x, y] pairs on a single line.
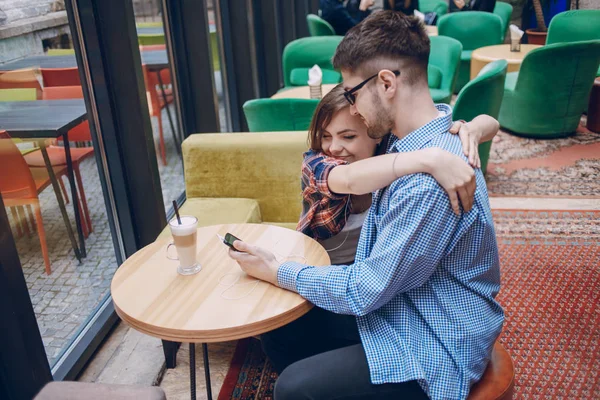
[[593, 114], [98, 391], [497, 382]]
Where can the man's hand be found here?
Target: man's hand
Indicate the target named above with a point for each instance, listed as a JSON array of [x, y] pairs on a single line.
[[365, 4], [470, 141], [255, 261]]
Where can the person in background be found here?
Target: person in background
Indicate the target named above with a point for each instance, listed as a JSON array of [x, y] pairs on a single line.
[[472, 5], [343, 17], [406, 7]]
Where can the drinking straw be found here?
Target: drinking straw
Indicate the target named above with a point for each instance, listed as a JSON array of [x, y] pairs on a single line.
[[176, 212]]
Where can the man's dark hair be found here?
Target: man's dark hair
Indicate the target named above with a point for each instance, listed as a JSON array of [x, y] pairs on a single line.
[[386, 39]]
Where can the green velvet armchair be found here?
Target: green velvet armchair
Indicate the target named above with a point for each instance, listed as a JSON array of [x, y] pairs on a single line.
[[301, 54], [270, 115], [546, 97], [482, 95], [574, 26], [440, 7], [317, 26], [504, 11], [444, 60], [473, 29]]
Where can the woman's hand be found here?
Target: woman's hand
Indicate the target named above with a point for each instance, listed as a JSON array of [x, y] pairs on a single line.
[[255, 261], [470, 137], [454, 175], [459, 3]]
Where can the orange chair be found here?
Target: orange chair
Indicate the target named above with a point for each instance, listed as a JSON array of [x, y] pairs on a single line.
[[155, 105], [156, 100], [61, 76], [21, 186], [22, 78], [56, 154]]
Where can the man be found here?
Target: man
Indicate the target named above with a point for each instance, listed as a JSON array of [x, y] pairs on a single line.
[[420, 318], [341, 17]]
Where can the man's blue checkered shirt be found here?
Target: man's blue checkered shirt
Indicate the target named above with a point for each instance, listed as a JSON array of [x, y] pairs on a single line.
[[424, 280]]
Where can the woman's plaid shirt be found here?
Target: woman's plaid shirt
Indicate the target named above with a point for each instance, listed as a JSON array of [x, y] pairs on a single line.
[[324, 213]]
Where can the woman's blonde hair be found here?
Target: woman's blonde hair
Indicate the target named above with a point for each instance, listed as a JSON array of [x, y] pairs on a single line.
[[331, 103]]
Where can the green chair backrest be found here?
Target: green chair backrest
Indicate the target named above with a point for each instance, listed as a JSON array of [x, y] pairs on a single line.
[[274, 115], [504, 11], [147, 39], [440, 7], [473, 29], [25, 94], [445, 55], [306, 52], [482, 95], [559, 76], [574, 26], [60, 52], [317, 26]]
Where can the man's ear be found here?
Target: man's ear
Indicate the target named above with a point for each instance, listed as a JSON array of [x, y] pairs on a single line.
[[389, 82]]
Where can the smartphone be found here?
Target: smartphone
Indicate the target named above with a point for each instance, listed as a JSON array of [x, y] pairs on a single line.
[[229, 239]]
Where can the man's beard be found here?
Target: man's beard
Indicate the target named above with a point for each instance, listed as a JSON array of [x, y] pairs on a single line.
[[383, 122]]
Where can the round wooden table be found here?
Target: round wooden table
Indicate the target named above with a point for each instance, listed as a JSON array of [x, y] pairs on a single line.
[[150, 296], [301, 92], [485, 55]]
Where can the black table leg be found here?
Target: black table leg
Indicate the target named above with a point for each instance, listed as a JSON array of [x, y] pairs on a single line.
[[170, 351], [206, 371], [193, 371], [173, 131], [60, 200], [74, 195]]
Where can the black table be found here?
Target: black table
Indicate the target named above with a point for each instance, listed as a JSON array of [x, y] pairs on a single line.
[[154, 60], [49, 119]]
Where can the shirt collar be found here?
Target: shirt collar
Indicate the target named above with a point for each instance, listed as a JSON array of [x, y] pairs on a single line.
[[416, 139]]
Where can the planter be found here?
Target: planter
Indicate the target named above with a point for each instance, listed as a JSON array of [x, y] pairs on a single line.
[[536, 37]]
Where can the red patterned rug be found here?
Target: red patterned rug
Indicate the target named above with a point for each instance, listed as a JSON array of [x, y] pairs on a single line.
[[551, 294], [568, 167]]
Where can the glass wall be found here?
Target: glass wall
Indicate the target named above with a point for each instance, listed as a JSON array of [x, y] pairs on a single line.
[[58, 204], [159, 92]]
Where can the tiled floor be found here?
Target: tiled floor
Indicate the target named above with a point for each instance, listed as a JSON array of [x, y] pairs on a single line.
[[65, 299]]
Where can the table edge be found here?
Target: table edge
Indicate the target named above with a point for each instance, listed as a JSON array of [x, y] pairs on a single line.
[[221, 335]]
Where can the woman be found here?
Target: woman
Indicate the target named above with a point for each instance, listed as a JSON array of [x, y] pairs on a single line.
[[472, 5], [339, 173], [343, 17]]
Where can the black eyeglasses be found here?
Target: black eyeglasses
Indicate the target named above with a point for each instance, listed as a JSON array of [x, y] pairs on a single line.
[[349, 94]]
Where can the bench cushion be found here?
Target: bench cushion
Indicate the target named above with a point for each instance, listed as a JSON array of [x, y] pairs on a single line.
[[215, 211]]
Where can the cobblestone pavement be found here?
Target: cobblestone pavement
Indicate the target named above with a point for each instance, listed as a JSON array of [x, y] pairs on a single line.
[[65, 299]]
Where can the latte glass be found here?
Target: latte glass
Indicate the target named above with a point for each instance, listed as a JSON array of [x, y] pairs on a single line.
[[184, 240]]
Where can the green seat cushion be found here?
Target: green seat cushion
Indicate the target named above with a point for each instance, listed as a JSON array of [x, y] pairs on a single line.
[[434, 77], [299, 76], [215, 211]]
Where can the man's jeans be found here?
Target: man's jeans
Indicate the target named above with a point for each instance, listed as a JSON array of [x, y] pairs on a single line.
[[322, 357]]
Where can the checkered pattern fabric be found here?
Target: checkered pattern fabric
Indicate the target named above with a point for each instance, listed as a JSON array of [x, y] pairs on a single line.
[[324, 213], [424, 281]]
